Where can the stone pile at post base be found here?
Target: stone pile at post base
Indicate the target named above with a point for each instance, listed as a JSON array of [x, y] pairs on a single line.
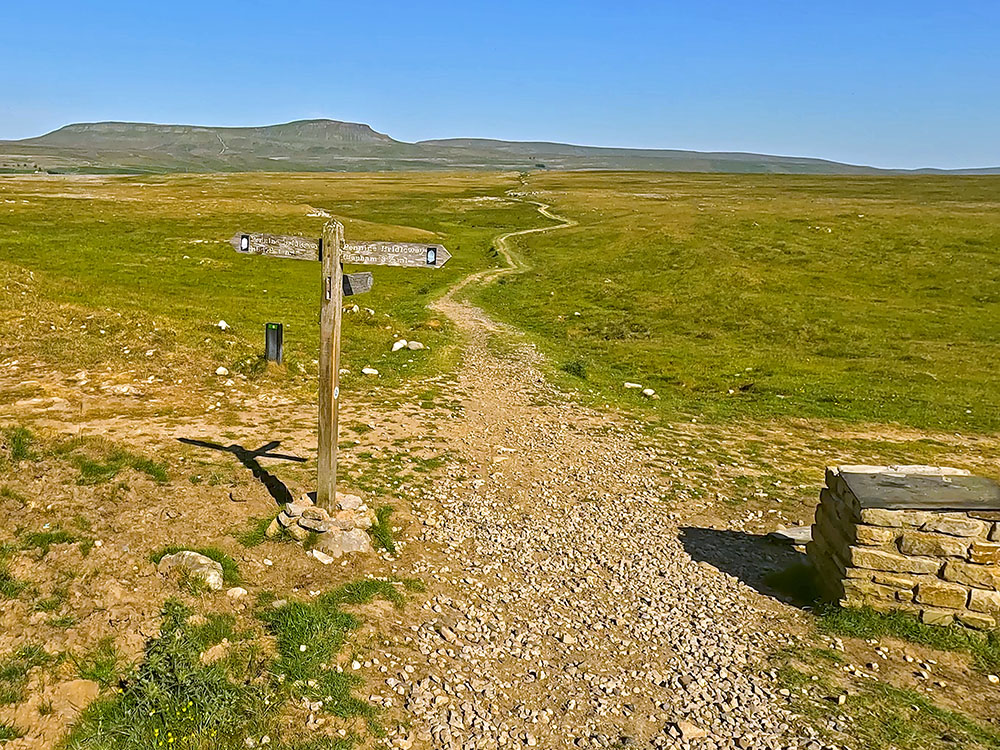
[[938, 559], [335, 534]]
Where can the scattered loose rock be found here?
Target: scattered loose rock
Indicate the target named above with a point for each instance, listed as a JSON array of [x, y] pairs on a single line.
[[195, 565]]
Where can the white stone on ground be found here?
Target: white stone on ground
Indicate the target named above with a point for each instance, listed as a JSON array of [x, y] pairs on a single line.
[[195, 565]]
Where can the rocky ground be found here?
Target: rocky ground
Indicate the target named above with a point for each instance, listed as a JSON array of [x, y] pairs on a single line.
[[589, 582], [563, 609]]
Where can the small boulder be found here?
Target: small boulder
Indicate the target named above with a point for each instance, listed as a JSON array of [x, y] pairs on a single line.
[[297, 533], [336, 543], [633, 386], [648, 392], [236, 592], [321, 557], [794, 535], [415, 346], [223, 325], [369, 371], [215, 653], [273, 529], [317, 514], [401, 344], [221, 371], [195, 565], [688, 731], [294, 509], [348, 502], [320, 526]]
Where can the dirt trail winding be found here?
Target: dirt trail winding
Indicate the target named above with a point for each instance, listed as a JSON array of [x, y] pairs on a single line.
[[459, 312], [564, 609]]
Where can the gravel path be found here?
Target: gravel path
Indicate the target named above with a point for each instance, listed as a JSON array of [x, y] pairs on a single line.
[[562, 609]]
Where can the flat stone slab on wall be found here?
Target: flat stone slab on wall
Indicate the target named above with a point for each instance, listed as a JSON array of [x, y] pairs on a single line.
[[922, 539]]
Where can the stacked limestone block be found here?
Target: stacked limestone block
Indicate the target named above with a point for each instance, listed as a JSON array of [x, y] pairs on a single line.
[[336, 534], [939, 564]]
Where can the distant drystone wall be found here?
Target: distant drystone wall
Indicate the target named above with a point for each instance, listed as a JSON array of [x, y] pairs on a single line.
[[920, 539]]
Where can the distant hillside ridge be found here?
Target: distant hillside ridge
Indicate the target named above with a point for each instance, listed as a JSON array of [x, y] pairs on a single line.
[[146, 135], [322, 145]]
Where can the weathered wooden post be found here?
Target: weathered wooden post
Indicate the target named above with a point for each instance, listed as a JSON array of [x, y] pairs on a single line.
[[333, 251], [330, 312]]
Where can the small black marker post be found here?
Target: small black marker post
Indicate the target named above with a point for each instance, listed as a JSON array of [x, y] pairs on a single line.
[[274, 347]]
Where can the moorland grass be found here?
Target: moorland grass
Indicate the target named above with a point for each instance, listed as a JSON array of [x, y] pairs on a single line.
[[255, 533], [381, 530], [101, 664], [799, 583], [881, 716], [865, 622], [18, 444], [135, 265], [9, 732], [751, 296], [320, 625], [10, 586], [99, 460], [174, 693], [173, 698], [14, 671]]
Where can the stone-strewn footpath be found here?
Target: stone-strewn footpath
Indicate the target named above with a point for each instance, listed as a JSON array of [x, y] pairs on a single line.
[[942, 565], [563, 610]]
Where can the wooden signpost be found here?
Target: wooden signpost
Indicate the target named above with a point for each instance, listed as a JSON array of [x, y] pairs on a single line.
[[332, 251]]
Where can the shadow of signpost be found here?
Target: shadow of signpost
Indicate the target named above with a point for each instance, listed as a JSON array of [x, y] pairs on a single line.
[[275, 487], [750, 557]]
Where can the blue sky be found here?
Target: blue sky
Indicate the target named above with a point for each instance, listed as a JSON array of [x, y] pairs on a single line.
[[898, 84]]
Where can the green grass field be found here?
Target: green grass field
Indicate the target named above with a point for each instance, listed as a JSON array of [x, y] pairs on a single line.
[[856, 298], [734, 296], [99, 271]]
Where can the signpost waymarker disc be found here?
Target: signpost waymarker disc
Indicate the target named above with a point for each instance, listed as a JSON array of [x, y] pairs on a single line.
[[276, 246], [408, 254]]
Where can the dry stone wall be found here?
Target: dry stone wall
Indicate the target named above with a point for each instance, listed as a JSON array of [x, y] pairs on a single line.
[[941, 565]]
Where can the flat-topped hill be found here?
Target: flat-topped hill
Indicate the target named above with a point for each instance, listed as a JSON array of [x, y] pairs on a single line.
[[331, 145]]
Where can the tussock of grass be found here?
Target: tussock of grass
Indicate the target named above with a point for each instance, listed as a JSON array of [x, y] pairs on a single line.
[[230, 570], [99, 471], [798, 581], [171, 694], [18, 444], [98, 460], [256, 533], [321, 625], [9, 732], [43, 540], [51, 603], [100, 664], [381, 530], [576, 368], [867, 623], [10, 494], [10, 587], [14, 671]]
